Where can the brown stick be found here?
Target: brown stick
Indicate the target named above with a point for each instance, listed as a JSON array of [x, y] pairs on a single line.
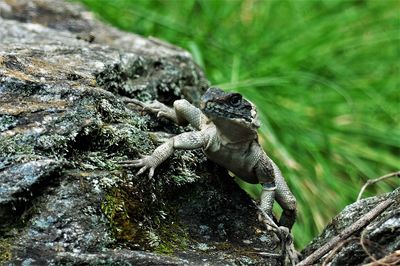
[[336, 250], [372, 257], [364, 220], [391, 259], [373, 181]]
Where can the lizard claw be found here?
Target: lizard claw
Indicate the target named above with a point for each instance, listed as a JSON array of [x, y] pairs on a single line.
[[262, 219], [151, 172], [144, 168], [285, 232]]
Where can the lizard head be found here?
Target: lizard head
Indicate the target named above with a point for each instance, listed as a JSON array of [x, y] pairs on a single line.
[[226, 107]]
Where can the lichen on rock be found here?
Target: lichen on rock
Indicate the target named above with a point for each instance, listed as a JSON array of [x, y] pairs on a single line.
[[64, 127]]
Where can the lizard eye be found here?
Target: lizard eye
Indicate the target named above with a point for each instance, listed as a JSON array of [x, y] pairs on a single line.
[[235, 100]]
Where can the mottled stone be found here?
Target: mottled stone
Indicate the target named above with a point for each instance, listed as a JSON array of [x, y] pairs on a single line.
[[19, 182], [381, 235], [164, 71]]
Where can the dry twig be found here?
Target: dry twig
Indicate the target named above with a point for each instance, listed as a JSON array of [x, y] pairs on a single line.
[[383, 261], [337, 249], [373, 181], [364, 220], [391, 259]]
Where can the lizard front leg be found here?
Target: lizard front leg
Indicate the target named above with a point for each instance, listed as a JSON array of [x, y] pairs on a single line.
[[187, 140], [181, 114]]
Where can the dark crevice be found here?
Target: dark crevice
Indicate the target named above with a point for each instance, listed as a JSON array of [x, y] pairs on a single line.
[[15, 213]]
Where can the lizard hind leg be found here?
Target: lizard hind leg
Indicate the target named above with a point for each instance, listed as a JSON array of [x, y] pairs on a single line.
[[287, 201]]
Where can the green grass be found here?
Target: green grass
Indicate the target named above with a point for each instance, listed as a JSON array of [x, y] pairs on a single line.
[[324, 74]]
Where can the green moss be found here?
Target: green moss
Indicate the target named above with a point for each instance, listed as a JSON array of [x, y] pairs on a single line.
[[54, 144], [115, 210], [5, 251], [111, 111], [137, 222], [115, 139], [7, 122], [173, 237], [16, 145], [123, 138]]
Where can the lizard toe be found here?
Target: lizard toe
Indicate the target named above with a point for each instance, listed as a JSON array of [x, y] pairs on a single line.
[[141, 171], [151, 172]]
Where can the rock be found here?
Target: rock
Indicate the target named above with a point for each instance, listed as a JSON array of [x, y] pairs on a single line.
[[63, 127], [381, 236], [20, 182], [163, 71]]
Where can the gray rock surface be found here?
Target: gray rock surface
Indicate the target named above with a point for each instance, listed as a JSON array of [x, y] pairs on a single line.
[[64, 200], [381, 236], [150, 73]]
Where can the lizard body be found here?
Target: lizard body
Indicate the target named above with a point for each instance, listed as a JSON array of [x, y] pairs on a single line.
[[226, 127]]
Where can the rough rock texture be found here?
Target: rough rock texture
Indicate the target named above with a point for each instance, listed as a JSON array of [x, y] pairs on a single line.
[[63, 127], [149, 74], [381, 236]]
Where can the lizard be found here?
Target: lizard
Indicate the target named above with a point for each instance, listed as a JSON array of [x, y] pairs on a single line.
[[226, 130]]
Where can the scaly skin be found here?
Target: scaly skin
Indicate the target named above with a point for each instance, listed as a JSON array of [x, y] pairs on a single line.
[[227, 133]]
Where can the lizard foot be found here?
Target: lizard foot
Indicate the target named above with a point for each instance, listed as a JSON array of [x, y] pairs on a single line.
[[285, 233], [146, 162], [268, 223], [292, 256], [155, 107]]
